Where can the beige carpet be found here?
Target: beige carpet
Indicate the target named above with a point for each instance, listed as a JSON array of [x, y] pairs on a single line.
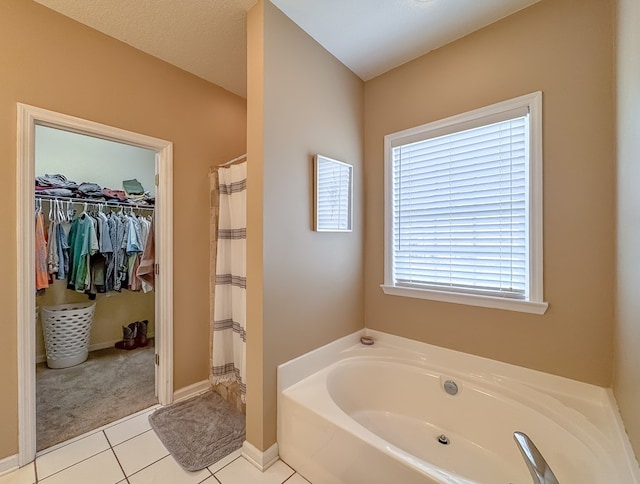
[[110, 385]]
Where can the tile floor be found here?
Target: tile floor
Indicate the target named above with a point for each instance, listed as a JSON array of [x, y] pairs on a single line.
[[130, 452]]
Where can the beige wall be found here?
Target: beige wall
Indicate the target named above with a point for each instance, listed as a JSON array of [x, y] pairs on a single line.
[[626, 384], [312, 282], [113, 310], [50, 61], [563, 48]]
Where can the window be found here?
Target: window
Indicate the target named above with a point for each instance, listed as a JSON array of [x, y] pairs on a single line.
[[333, 195], [464, 208]]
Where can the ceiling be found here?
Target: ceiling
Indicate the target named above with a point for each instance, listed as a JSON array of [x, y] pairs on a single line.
[[373, 36], [208, 37]]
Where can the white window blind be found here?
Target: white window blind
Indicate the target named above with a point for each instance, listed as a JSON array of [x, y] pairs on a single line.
[[460, 211], [333, 195]]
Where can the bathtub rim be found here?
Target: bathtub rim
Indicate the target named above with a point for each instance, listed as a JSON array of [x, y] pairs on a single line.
[[564, 389]]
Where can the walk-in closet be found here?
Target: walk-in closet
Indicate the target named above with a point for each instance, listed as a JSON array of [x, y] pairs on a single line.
[[95, 294]]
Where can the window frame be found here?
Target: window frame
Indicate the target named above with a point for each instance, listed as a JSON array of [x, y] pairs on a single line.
[[533, 303]]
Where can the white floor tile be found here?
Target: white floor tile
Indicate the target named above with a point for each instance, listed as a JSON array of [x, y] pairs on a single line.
[[168, 471], [128, 429], [297, 479], [24, 475], [225, 460], [241, 471], [139, 452], [99, 469], [71, 454]]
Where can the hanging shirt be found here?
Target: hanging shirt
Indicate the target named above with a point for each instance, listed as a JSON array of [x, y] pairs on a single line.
[[63, 252], [100, 260], [137, 237], [120, 247], [134, 262], [42, 274], [83, 242], [145, 225], [52, 249], [66, 228], [95, 247], [146, 273], [134, 237], [110, 272], [104, 236]]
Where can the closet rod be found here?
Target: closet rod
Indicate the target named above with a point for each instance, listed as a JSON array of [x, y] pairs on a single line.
[[233, 161], [93, 201]]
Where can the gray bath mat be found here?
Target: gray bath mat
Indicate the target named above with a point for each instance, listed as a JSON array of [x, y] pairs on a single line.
[[200, 431]]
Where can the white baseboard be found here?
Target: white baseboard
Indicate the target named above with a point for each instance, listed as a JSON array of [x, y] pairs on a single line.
[[95, 347], [261, 460], [191, 390], [8, 464]]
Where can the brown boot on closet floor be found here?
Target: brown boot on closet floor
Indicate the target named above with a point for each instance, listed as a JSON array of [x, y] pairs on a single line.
[[141, 335], [128, 337]]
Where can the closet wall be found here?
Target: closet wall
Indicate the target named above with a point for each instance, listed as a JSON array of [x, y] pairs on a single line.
[[87, 159], [113, 310]]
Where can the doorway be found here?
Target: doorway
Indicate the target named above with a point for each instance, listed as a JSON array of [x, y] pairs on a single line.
[[83, 380], [28, 118]]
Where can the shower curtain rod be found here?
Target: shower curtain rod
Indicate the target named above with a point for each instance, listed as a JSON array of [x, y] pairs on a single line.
[[233, 161], [93, 201]]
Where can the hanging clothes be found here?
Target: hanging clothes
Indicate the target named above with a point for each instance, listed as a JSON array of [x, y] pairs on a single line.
[[117, 272], [95, 252], [146, 269], [63, 251], [83, 242], [145, 227], [42, 273], [52, 249], [134, 246], [57, 247], [100, 260]]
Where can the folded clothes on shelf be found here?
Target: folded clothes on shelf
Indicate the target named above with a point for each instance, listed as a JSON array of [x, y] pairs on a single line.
[[90, 190], [132, 187], [114, 194], [55, 181], [58, 185], [54, 192]]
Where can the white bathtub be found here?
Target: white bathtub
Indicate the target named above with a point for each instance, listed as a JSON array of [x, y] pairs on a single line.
[[354, 414]]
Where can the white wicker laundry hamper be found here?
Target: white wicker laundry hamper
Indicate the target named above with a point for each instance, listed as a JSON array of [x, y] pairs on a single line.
[[67, 328]]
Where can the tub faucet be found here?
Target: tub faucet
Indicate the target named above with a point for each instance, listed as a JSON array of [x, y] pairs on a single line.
[[538, 467]]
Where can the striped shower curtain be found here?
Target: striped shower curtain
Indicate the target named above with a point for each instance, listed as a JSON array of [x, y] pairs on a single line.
[[229, 312]]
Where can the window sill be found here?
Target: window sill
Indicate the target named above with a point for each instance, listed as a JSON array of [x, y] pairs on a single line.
[[468, 299]]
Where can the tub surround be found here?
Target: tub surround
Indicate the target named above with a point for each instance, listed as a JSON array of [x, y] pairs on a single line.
[[330, 406]]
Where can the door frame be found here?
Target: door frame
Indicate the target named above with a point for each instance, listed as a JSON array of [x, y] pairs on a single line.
[[28, 117]]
